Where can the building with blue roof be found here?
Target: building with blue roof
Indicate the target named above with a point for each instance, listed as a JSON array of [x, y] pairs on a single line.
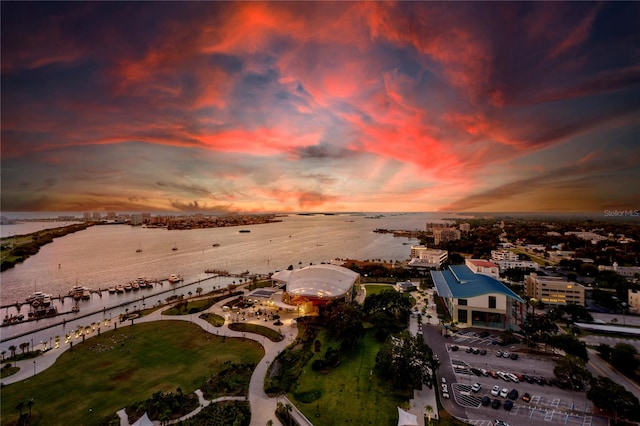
[[478, 300]]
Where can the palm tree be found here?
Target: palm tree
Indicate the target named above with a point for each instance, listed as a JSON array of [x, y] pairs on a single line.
[[199, 291], [13, 349], [3, 352], [30, 404], [429, 410], [289, 410], [24, 346], [19, 407]]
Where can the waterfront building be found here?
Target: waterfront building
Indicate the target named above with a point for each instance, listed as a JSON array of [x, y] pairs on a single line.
[[428, 257], [478, 300], [316, 285], [136, 219], [86, 216], [96, 216], [443, 235], [553, 291], [465, 227], [480, 266]]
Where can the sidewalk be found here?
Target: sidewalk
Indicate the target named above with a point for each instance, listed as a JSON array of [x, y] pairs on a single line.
[[263, 407]]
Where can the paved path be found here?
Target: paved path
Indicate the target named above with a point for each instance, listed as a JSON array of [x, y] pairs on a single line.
[[262, 406]]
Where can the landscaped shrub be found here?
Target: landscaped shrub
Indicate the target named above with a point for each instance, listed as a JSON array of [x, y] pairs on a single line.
[[308, 397]]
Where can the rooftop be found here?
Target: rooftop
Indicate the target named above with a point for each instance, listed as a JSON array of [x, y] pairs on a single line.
[[483, 263], [460, 282]]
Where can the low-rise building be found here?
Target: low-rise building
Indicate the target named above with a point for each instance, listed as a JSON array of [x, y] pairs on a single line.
[[428, 257], [504, 255], [478, 300], [480, 266], [553, 290], [517, 264], [634, 301], [625, 271]]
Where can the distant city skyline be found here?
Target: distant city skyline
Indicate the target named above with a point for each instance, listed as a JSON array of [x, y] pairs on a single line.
[[320, 106]]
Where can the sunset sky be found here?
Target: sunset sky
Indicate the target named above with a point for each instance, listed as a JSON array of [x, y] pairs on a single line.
[[287, 107]]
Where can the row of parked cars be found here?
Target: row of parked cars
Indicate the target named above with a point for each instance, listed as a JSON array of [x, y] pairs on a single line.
[[511, 396]]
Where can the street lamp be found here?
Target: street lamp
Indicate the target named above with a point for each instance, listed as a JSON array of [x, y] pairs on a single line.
[[34, 367]]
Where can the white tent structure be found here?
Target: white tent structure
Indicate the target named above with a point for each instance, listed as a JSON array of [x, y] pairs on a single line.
[[320, 282], [405, 418], [143, 421]]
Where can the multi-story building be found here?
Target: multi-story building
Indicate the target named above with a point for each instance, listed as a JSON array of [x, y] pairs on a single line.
[[625, 271], [86, 216], [478, 300], [634, 301], [429, 255], [136, 219], [504, 255], [96, 216], [111, 215], [442, 235], [517, 264], [553, 290], [484, 267], [465, 227]]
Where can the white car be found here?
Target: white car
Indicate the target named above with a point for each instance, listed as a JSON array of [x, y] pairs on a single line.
[[445, 388], [445, 395], [504, 392], [476, 387], [443, 380], [513, 377], [495, 391]]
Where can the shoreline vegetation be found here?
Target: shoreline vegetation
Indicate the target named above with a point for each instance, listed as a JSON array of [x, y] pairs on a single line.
[[18, 248]]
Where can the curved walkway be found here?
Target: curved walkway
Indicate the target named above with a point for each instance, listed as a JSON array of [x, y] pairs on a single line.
[[263, 407]]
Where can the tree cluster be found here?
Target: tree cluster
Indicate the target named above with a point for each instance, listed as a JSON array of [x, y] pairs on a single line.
[[406, 361]]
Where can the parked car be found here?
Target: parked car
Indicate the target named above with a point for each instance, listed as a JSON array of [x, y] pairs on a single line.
[[484, 372], [476, 351], [445, 395], [504, 392], [493, 374], [506, 354], [476, 387], [499, 354], [486, 401], [500, 423], [514, 356], [508, 405], [513, 377], [495, 391], [476, 371], [496, 403], [443, 379], [454, 348], [513, 395], [526, 397], [483, 352], [469, 349]]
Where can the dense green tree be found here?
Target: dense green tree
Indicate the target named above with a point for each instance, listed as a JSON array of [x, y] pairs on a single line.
[[604, 351], [623, 357], [391, 302], [571, 345], [344, 322], [608, 395], [406, 361], [570, 369], [576, 312]]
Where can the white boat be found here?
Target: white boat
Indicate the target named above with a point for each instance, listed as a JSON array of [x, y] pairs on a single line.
[[173, 278], [127, 287], [39, 299], [119, 288], [112, 290]]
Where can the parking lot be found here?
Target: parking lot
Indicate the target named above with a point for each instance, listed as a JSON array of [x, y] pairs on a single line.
[[548, 403]]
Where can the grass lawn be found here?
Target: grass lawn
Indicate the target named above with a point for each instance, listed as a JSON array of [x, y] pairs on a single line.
[[350, 393], [106, 373], [190, 307], [269, 333], [375, 289]]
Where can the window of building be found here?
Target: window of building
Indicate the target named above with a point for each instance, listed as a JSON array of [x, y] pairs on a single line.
[[492, 302], [462, 302], [462, 316]]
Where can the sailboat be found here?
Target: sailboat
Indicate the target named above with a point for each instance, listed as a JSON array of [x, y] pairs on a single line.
[[139, 249]]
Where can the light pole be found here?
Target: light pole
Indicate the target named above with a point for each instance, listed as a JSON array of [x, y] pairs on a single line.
[[34, 367]]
